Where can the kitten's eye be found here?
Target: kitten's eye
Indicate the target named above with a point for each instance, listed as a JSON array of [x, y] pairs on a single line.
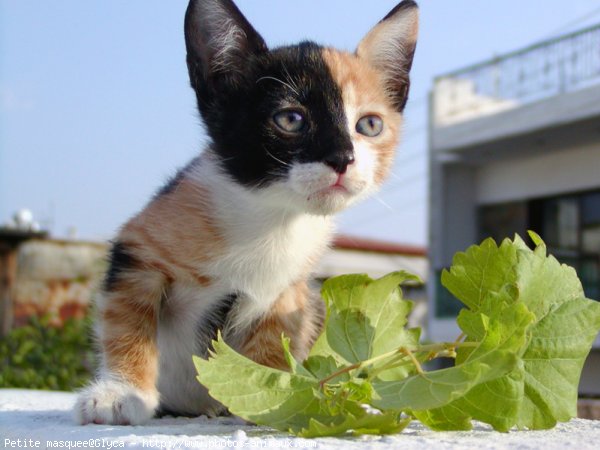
[[289, 120], [369, 125]]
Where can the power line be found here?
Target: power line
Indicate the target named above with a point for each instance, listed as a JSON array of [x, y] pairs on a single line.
[[406, 183], [394, 213], [392, 210], [409, 157], [572, 23], [400, 182], [411, 133]]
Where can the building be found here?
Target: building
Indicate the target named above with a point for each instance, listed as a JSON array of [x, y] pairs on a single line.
[[515, 145], [41, 276]]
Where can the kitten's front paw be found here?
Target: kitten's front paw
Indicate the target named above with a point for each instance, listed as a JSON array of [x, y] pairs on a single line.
[[115, 403]]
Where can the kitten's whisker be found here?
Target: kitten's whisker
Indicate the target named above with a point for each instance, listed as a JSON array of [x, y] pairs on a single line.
[[380, 200], [280, 81], [396, 176], [290, 79], [277, 159]]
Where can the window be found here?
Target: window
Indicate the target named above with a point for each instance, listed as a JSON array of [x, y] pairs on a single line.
[[570, 226], [445, 303], [502, 221]]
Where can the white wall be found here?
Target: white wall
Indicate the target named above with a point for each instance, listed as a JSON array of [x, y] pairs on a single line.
[[539, 175]]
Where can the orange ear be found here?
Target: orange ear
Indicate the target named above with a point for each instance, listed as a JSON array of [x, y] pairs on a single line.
[[390, 46]]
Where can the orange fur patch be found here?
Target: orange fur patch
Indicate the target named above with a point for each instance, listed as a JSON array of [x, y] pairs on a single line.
[[129, 337], [163, 244], [363, 91], [167, 233], [295, 314]]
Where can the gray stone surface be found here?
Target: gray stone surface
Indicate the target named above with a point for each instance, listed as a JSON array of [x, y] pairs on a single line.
[[33, 417]]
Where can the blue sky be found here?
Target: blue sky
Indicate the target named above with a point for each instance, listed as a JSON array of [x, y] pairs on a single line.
[[96, 110]]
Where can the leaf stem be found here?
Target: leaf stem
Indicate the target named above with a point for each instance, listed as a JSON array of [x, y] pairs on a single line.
[[414, 360], [339, 372], [447, 349]]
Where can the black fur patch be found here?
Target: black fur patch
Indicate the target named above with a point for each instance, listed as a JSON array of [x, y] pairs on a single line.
[[239, 116], [120, 260], [171, 184], [214, 321], [175, 180]]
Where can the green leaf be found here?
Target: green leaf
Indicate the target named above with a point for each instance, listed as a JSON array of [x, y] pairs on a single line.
[[527, 331], [543, 387], [560, 342], [285, 401], [498, 400], [365, 318], [260, 394], [488, 361], [479, 270], [380, 423]]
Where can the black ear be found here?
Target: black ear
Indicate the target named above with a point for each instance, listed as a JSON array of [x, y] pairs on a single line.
[[218, 40], [390, 46]]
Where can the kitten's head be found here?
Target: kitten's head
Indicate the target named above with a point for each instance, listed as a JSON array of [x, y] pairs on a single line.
[[306, 127]]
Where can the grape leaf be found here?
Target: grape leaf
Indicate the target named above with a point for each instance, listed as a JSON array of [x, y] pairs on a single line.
[[543, 388], [527, 327], [365, 318], [560, 343], [488, 360], [479, 270], [497, 401], [258, 393], [384, 423], [285, 401]]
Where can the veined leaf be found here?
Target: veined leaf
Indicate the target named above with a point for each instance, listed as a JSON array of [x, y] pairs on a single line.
[[365, 318], [543, 388], [286, 401], [384, 423], [488, 360], [528, 330], [260, 394], [496, 401], [479, 270], [559, 344]]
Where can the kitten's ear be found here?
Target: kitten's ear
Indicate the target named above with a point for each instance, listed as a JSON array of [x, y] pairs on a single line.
[[218, 39], [390, 47]]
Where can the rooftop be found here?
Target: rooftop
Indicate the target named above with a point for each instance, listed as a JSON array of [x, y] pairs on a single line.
[[555, 66]]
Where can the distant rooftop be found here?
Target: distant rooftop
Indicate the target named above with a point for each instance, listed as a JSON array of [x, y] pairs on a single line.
[[346, 242], [542, 70], [11, 237]]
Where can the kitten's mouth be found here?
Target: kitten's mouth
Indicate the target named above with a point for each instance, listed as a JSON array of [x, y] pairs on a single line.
[[325, 190], [337, 188]]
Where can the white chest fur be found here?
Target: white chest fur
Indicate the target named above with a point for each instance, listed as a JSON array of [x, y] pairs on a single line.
[[265, 258], [267, 247]]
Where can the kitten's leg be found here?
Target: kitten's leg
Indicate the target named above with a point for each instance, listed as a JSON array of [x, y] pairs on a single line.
[[125, 391], [299, 314]]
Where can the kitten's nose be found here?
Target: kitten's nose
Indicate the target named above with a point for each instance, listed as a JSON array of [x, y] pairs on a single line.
[[339, 161]]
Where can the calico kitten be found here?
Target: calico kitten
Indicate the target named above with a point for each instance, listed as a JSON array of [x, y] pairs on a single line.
[[297, 134]]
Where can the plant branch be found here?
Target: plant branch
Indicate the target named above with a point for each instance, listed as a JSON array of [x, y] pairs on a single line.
[[447, 349]]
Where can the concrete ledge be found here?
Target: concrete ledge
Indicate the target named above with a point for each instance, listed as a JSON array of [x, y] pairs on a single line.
[[553, 112], [40, 419]]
